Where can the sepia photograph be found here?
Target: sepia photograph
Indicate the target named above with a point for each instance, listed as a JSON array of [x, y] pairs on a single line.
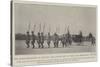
[[54, 29]]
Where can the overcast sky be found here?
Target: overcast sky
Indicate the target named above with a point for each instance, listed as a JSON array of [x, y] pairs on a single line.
[[55, 17]]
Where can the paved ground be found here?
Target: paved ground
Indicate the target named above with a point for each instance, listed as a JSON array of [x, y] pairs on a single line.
[[20, 48]]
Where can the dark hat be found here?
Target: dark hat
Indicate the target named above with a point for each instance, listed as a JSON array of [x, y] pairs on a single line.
[[27, 31], [32, 31]]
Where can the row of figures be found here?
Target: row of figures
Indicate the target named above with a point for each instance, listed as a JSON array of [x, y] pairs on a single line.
[[40, 40], [65, 39]]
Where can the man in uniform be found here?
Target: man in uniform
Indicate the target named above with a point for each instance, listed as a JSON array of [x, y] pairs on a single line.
[[42, 39], [63, 40], [93, 41], [80, 38], [38, 40], [92, 38], [69, 39], [56, 40], [28, 40], [33, 39], [48, 40]]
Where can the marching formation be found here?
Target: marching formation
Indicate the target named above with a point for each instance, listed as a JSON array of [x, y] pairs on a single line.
[[65, 39]]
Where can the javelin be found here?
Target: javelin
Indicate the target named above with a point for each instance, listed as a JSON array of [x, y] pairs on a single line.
[[34, 27]]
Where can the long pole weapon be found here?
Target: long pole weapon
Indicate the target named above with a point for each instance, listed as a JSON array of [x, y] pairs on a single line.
[[29, 27], [43, 28], [68, 30], [49, 28], [57, 29], [34, 28], [40, 27], [65, 29]]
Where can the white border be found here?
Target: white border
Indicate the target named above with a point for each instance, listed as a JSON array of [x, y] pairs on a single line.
[[39, 3], [51, 3]]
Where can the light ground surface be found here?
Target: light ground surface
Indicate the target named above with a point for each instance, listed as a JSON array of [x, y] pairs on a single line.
[[20, 48]]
